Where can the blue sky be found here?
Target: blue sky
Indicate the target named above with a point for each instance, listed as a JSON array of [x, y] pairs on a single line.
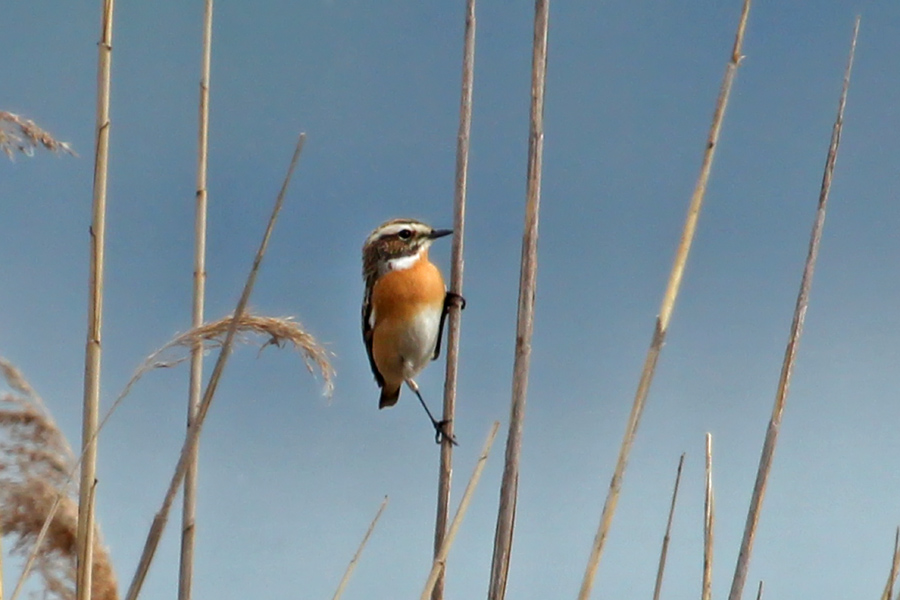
[[289, 479]]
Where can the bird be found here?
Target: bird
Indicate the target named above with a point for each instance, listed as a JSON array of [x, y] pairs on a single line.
[[404, 308]]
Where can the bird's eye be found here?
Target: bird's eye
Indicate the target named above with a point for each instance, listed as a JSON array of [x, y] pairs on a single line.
[[405, 234]]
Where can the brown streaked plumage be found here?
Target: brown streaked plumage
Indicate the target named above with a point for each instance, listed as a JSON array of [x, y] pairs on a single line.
[[403, 308]]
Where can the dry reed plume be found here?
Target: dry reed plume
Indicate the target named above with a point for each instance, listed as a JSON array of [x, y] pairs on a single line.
[[18, 134], [35, 463], [278, 331], [193, 432]]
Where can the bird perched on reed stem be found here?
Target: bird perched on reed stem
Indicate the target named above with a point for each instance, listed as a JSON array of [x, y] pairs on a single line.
[[404, 308]]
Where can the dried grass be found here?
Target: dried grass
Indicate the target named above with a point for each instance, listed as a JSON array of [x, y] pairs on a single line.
[[18, 134], [35, 466], [279, 332]]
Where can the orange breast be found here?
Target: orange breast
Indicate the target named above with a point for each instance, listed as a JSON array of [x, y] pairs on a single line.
[[406, 305], [401, 294]]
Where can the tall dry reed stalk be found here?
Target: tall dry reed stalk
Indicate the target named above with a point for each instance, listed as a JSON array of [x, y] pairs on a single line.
[[440, 559], [35, 460], [1, 553], [709, 519], [895, 565], [790, 353], [661, 569], [353, 561], [195, 383], [93, 347], [665, 313], [18, 134], [445, 473], [506, 514], [193, 434]]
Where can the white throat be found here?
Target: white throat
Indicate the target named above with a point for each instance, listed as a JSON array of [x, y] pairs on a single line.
[[404, 262]]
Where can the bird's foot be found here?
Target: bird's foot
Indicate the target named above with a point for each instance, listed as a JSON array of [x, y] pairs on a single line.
[[441, 432], [454, 299]]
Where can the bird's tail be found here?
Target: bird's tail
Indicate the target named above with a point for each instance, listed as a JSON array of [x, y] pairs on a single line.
[[389, 396]]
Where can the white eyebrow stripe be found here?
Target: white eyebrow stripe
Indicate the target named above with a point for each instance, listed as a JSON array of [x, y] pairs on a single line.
[[394, 229]]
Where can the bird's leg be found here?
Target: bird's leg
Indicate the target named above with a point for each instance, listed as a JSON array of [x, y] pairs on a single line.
[[450, 299], [440, 427]]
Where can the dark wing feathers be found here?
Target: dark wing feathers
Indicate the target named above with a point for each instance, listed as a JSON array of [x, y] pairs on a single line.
[[367, 335]]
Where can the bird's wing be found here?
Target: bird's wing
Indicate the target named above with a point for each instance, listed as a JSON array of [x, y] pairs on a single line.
[[437, 343], [367, 331]]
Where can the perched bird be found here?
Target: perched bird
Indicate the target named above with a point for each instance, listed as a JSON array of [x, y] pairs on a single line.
[[404, 308]]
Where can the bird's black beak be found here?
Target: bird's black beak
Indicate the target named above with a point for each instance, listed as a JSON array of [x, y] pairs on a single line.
[[439, 233]]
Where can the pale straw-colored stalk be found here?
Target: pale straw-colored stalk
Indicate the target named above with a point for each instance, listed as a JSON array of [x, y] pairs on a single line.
[[440, 559], [661, 569], [506, 514], [790, 354], [895, 565], [445, 473], [93, 346], [665, 313], [353, 561], [195, 383], [709, 518], [193, 433], [1, 558]]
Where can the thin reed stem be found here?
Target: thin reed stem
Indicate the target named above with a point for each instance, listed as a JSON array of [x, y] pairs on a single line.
[[195, 383], [353, 561], [93, 346], [759, 590], [665, 545], [895, 564], [445, 474], [709, 518], [1, 558], [665, 313], [193, 433], [440, 559], [790, 354], [506, 514]]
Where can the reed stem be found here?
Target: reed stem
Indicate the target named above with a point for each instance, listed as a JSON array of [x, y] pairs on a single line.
[[195, 384], [709, 517], [353, 561], [445, 474], [895, 564], [506, 516], [790, 353], [1, 557], [93, 347], [665, 545], [440, 559], [665, 313]]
